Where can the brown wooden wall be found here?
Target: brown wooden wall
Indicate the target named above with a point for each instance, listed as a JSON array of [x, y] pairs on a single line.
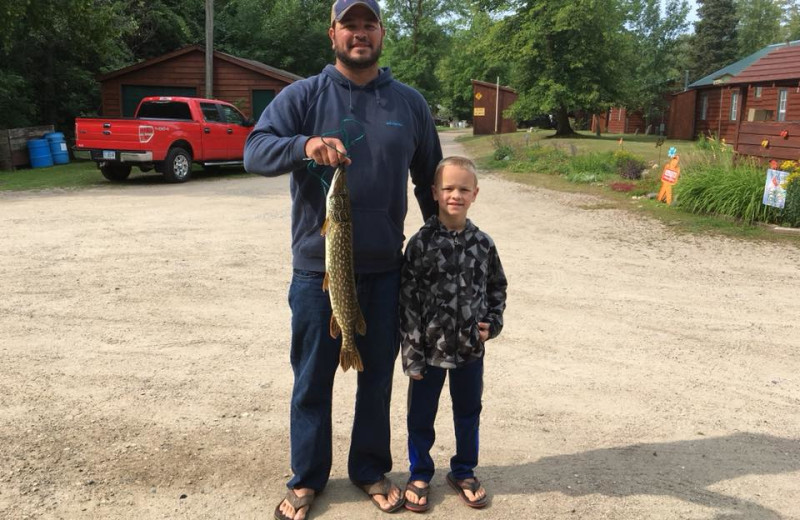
[[752, 135], [769, 100], [623, 121], [682, 115], [483, 102], [600, 120], [717, 121], [232, 83], [617, 117], [14, 145]]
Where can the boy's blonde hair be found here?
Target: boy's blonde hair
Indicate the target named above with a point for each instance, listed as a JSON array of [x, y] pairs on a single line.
[[457, 161]]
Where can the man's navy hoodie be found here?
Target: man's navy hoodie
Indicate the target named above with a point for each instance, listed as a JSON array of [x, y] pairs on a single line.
[[398, 136]]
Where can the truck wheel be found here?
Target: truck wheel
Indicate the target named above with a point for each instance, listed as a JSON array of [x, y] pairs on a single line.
[[178, 165], [116, 172]]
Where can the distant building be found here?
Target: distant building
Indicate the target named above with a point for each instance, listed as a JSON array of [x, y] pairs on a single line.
[[754, 104], [248, 84], [487, 108]]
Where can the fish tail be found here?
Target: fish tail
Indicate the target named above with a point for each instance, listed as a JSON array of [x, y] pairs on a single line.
[[351, 359]]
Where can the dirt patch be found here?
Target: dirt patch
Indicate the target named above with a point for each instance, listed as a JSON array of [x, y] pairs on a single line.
[[144, 357]]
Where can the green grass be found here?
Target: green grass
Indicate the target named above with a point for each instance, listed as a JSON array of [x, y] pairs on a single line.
[[73, 175], [84, 174], [576, 165], [643, 146]]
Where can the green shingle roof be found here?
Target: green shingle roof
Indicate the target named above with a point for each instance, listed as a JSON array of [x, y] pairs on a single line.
[[735, 68]]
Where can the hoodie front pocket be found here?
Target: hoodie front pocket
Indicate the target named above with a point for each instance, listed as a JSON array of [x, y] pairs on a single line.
[[375, 236]]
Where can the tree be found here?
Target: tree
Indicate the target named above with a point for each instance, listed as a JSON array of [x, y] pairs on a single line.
[[759, 24], [290, 34], [791, 29], [471, 56], [715, 37], [565, 57], [416, 40], [162, 26], [50, 55], [654, 57]]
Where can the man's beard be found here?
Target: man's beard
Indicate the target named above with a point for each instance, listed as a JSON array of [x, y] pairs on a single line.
[[360, 63]]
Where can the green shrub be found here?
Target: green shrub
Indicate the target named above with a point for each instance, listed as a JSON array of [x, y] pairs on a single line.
[[629, 166], [547, 159], [503, 151], [791, 210], [730, 191], [590, 167]]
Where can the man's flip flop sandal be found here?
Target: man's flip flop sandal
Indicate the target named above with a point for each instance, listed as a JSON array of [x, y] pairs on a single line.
[[382, 487], [296, 501]]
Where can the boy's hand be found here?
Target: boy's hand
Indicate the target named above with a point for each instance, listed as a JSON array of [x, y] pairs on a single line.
[[483, 331], [416, 377]]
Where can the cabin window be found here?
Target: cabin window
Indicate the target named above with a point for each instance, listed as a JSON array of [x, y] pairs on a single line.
[[734, 103], [782, 95], [703, 107], [758, 92]]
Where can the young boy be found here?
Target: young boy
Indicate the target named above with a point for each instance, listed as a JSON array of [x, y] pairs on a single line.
[[452, 297]]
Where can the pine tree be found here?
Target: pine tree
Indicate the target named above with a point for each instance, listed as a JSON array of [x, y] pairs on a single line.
[[715, 37]]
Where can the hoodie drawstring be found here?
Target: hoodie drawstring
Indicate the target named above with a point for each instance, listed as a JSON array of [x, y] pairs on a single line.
[[350, 90]]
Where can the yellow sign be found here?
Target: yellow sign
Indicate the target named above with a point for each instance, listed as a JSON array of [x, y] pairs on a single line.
[[479, 111], [478, 96]]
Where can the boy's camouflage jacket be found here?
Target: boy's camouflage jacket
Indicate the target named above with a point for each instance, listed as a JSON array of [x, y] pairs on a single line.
[[450, 282]]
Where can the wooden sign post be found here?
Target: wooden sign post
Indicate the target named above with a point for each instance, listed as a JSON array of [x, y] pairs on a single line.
[[669, 177]]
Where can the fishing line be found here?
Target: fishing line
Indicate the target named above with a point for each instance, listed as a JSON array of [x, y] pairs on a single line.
[[318, 170]]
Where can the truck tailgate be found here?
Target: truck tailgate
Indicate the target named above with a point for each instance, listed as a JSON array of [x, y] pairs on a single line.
[[114, 134]]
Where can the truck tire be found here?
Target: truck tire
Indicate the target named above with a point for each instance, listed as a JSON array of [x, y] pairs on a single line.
[[178, 165], [116, 172]]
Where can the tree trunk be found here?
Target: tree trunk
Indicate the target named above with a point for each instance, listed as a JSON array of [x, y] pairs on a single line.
[[563, 127]]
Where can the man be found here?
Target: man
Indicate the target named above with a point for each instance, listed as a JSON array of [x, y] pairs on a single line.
[[353, 113]]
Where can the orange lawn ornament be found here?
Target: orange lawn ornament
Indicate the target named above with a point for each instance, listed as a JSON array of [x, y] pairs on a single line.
[[669, 177]]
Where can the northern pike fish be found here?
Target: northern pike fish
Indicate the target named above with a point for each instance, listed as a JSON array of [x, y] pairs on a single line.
[[340, 280]]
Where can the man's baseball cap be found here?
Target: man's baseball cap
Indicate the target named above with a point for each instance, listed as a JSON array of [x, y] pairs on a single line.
[[340, 8]]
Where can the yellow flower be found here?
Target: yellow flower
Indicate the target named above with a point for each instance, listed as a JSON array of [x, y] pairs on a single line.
[[794, 177], [788, 166]]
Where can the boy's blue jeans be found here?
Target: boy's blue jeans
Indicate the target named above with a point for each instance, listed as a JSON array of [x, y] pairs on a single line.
[[315, 360], [466, 389]]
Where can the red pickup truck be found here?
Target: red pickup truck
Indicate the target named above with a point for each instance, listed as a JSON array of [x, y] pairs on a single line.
[[167, 134]]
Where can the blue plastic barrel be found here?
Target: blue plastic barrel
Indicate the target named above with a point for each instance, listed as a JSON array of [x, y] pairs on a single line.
[[58, 147], [39, 153]]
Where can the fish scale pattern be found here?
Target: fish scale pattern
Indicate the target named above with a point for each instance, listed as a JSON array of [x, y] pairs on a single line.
[[346, 317]]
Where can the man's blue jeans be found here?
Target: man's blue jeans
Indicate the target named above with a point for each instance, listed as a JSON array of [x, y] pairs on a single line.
[[315, 360]]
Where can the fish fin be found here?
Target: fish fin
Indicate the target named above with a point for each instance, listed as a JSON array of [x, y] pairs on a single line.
[[350, 358], [361, 325], [335, 330], [324, 230], [325, 282]]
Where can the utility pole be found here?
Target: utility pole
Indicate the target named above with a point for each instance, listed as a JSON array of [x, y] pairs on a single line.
[[497, 107], [209, 48]]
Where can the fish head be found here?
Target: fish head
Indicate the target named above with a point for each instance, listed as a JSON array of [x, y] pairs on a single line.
[[338, 198]]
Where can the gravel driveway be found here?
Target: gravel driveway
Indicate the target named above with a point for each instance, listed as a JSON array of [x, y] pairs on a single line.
[[144, 367]]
